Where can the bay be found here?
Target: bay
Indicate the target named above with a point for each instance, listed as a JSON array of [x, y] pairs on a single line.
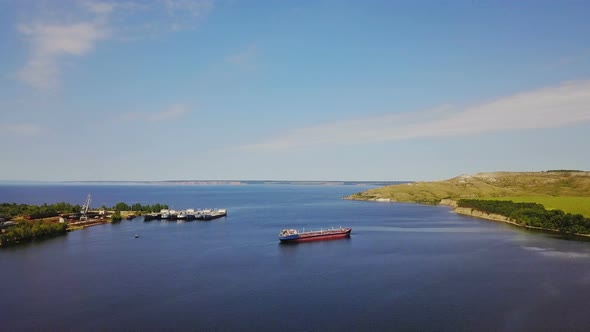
[[405, 267]]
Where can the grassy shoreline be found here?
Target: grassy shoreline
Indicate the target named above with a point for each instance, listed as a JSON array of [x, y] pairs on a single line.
[[503, 219], [564, 191], [567, 191]]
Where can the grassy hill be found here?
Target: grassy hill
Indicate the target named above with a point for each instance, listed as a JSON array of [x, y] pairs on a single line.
[[565, 190]]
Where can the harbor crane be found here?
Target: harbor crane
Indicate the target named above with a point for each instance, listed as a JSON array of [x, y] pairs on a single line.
[[85, 208]]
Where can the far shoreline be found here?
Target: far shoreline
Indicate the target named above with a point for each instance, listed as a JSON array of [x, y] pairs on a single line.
[[207, 183]]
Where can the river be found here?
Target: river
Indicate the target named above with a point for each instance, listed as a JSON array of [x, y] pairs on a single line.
[[406, 267]]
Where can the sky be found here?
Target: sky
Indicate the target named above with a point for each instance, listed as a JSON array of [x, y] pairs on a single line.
[[291, 90]]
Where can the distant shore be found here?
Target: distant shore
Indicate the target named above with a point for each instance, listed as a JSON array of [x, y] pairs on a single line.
[[237, 182]]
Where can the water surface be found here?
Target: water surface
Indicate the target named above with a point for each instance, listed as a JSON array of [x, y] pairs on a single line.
[[406, 267]]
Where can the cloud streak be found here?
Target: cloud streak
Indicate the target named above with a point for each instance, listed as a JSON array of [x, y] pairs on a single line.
[[173, 112], [194, 8], [50, 43], [557, 106], [56, 36], [99, 7], [243, 58], [25, 129]]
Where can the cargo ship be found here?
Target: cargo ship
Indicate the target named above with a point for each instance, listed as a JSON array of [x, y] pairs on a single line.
[[292, 235]]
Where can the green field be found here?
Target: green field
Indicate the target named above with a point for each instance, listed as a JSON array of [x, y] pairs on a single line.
[[575, 205]]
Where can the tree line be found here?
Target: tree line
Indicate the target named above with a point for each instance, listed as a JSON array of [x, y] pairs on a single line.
[[532, 214], [137, 207], [12, 210], [26, 231]]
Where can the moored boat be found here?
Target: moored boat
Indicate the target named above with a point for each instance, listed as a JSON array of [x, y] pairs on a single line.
[[150, 216], [211, 214], [190, 214], [292, 235]]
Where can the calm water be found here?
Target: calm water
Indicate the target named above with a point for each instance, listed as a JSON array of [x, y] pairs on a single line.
[[406, 267]]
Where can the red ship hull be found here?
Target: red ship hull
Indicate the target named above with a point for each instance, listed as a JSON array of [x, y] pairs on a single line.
[[317, 236]]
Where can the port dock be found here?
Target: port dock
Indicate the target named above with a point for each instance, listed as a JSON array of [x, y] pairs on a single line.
[[188, 215]]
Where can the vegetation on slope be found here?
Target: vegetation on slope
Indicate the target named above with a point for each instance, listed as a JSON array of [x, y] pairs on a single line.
[[575, 205], [489, 185], [31, 230], [116, 217], [532, 214], [25, 230]]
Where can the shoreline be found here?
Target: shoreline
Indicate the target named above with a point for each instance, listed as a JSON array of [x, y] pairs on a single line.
[[470, 212]]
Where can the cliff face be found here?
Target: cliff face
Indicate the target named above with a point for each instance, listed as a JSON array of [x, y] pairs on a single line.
[[476, 213], [448, 202], [483, 215]]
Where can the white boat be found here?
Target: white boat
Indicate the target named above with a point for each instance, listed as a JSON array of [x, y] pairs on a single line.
[[164, 213], [212, 214], [191, 214]]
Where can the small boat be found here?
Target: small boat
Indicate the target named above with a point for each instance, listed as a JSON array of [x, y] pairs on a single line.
[[130, 217], [150, 216], [164, 214], [136, 236], [292, 235], [181, 215]]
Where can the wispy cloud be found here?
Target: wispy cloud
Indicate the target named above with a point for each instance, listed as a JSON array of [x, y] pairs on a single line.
[[99, 7], [244, 57], [184, 14], [28, 129], [76, 30], [562, 105], [171, 113], [52, 41], [195, 8]]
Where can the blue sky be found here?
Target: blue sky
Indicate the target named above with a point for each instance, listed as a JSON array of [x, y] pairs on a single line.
[[291, 90]]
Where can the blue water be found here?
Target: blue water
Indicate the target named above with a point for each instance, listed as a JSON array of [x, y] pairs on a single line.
[[405, 267]]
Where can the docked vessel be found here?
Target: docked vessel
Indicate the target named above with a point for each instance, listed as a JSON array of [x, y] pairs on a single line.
[[292, 235], [211, 214], [190, 214], [151, 216]]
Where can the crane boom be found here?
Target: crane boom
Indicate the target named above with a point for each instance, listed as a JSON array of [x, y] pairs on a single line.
[[86, 207]]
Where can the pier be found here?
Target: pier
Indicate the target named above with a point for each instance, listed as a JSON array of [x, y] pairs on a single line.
[[188, 215]]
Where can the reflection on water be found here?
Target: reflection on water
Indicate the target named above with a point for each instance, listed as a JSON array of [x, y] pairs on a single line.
[[419, 229]]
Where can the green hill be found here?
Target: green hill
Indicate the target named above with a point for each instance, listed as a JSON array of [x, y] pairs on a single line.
[[565, 190]]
